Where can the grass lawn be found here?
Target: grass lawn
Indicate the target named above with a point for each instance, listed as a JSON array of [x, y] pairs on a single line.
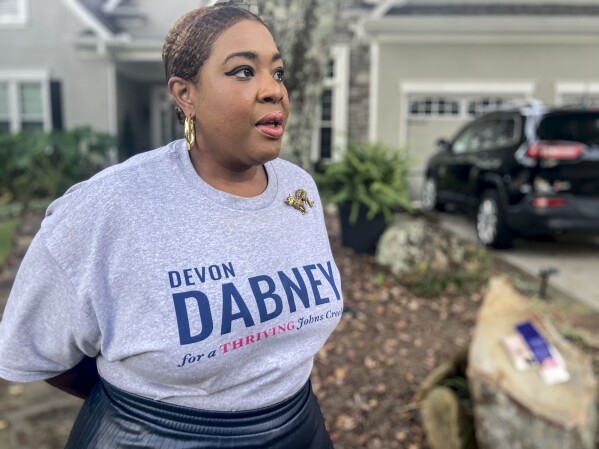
[[7, 234]]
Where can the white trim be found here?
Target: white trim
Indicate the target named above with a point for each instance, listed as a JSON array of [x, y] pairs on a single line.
[[466, 87], [87, 18], [380, 11], [46, 105], [111, 5], [13, 107], [563, 88], [20, 18], [404, 117], [474, 39], [466, 25], [24, 75], [341, 54], [373, 103], [315, 140]]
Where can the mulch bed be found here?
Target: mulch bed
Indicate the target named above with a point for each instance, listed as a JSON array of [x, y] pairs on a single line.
[[386, 344]]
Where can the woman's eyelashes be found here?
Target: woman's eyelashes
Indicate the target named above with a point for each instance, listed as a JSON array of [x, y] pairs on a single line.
[[241, 72], [247, 72]]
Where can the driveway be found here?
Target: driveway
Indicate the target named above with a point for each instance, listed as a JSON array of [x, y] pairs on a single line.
[[576, 259]]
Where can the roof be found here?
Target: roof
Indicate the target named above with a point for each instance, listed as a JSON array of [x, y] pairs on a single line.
[[492, 9], [106, 13], [95, 8]]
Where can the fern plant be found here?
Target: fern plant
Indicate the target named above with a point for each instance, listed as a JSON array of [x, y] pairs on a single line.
[[372, 176]]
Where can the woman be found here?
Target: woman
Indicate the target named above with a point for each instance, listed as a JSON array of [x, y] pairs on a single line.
[[197, 277]]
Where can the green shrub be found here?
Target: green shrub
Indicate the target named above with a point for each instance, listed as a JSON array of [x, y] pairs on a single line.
[[371, 175], [45, 164], [7, 234]]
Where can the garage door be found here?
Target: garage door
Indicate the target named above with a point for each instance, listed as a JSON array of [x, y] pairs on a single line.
[[431, 117]]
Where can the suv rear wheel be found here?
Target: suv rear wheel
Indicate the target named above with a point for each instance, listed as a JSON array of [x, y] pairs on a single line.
[[429, 198], [491, 226]]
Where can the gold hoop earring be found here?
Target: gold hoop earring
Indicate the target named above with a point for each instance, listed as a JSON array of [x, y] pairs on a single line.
[[190, 131]]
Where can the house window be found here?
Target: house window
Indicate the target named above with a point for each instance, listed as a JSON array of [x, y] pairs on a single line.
[[330, 131], [330, 72], [32, 113], [577, 93], [13, 12], [434, 106], [581, 100], [24, 103], [486, 104]]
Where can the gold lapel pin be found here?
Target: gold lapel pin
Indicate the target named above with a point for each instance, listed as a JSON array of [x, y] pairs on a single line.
[[300, 200]]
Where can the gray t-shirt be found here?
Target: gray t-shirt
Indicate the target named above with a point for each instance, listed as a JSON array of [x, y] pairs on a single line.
[[187, 294]]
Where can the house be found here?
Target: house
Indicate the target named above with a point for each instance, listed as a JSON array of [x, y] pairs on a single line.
[[68, 63], [405, 72], [435, 64]]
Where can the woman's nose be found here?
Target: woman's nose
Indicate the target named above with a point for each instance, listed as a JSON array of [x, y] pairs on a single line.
[[272, 91]]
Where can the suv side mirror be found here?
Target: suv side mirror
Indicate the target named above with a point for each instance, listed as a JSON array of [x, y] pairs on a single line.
[[442, 145]]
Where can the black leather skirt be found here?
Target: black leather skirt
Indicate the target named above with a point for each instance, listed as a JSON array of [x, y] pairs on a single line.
[[115, 419]]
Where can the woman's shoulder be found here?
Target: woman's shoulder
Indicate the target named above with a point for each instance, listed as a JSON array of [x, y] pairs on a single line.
[[288, 170], [132, 167], [114, 186]]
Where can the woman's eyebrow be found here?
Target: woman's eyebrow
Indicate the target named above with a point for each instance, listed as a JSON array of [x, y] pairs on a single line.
[[242, 54], [251, 55]]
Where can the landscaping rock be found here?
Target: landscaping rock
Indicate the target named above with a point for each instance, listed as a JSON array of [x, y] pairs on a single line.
[[517, 409], [427, 258], [414, 243]]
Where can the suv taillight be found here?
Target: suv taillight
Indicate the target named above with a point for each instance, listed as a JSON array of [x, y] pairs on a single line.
[[545, 202], [556, 151]]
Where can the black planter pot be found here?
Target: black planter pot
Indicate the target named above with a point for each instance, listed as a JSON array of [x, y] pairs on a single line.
[[363, 235]]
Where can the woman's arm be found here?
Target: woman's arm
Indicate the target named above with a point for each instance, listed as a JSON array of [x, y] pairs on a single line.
[[79, 380]]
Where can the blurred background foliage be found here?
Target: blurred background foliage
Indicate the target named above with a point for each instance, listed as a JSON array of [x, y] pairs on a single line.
[[43, 165]]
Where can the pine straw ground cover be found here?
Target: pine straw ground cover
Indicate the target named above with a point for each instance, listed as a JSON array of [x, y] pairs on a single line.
[[386, 344]]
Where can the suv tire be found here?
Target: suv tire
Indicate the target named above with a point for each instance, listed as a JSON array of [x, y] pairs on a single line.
[[429, 196], [491, 227]]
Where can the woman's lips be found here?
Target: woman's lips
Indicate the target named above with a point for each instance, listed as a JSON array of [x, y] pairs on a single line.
[[271, 125], [274, 130]]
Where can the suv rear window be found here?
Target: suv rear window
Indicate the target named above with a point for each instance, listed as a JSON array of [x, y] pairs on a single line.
[[576, 127]]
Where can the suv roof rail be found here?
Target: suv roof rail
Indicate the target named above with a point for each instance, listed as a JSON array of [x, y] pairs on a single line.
[[528, 103]]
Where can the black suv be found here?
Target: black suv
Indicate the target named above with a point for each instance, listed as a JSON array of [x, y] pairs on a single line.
[[523, 171]]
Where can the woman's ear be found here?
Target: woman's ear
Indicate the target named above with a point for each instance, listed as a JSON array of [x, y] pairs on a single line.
[[180, 90]]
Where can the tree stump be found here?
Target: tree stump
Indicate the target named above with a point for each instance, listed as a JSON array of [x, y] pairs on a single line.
[[517, 409], [440, 418], [445, 408]]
